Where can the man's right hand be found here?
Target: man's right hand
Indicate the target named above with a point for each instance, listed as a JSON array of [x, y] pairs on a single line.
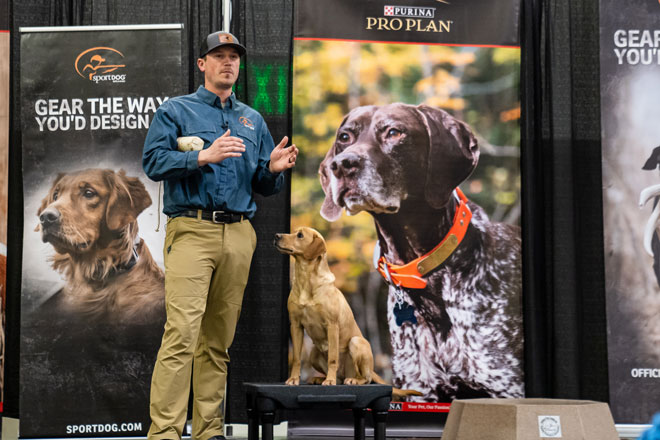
[[223, 147]]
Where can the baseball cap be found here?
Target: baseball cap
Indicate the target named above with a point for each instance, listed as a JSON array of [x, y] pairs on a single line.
[[217, 39]]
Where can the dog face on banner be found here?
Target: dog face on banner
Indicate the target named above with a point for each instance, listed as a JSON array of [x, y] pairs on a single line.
[[385, 155], [90, 219], [82, 210]]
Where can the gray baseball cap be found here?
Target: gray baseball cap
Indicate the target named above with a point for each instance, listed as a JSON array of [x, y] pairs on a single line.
[[218, 39]]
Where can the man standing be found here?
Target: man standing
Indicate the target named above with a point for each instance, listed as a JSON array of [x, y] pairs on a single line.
[[209, 239]]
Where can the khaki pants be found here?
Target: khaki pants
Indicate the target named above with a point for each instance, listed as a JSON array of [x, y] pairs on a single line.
[[206, 270]]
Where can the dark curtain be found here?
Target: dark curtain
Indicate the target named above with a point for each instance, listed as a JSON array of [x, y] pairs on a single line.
[[565, 328], [260, 354], [259, 349], [565, 322]]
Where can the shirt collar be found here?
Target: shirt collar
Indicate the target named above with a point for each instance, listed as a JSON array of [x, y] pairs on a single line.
[[214, 100]]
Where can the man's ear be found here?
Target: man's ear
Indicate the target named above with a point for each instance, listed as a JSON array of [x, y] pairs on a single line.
[[201, 64]]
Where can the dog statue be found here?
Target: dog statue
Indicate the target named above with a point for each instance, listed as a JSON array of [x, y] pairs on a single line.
[[316, 306]]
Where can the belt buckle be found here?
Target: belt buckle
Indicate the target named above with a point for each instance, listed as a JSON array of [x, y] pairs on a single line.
[[217, 213]]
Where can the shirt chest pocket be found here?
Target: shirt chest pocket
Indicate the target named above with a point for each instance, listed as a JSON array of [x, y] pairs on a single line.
[[251, 145], [207, 132], [247, 135]]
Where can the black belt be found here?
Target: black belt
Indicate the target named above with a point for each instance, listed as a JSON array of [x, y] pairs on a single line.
[[213, 216]]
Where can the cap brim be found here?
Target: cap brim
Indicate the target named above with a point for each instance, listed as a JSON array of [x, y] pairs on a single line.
[[239, 48]]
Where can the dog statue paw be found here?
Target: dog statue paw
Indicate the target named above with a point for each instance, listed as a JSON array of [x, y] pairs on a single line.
[[293, 381]]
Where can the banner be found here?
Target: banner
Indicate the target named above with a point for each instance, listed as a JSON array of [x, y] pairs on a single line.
[[4, 180], [395, 106], [92, 305], [630, 71]]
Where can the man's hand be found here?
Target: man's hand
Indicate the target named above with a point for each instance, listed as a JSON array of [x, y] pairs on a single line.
[[283, 158], [223, 147]]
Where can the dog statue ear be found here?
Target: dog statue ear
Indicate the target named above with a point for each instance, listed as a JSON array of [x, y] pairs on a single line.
[[315, 249], [453, 154], [128, 198], [329, 210]]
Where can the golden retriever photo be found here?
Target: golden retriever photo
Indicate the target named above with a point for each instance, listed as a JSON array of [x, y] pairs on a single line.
[[317, 307], [90, 219], [94, 335]]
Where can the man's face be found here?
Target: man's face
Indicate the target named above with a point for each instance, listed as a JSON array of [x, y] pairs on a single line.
[[220, 67]]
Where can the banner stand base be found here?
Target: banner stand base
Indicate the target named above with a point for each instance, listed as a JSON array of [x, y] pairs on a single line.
[[630, 431], [240, 430], [9, 428]]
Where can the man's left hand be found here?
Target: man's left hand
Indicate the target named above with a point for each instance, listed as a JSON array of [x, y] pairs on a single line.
[[282, 158]]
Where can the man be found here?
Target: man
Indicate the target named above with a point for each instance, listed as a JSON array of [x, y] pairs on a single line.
[[209, 240]]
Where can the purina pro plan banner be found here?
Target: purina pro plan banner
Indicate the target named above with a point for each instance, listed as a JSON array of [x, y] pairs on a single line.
[[407, 116]]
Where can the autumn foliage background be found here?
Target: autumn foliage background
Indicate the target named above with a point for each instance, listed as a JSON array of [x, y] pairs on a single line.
[[477, 85]]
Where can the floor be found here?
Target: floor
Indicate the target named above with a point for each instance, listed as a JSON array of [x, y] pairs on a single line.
[[9, 431], [238, 432]]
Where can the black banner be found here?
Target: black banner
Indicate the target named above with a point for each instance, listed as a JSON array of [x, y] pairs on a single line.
[[92, 310], [630, 71], [478, 23]]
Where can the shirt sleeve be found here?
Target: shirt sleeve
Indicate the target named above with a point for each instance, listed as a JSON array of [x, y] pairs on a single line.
[[160, 158], [265, 182]]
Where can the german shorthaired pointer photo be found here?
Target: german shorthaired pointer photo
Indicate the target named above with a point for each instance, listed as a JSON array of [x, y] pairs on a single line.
[[454, 302]]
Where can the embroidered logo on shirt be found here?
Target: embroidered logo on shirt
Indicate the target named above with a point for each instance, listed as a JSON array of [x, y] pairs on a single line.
[[246, 122]]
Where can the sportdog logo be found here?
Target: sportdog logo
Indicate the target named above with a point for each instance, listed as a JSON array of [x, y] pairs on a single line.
[[414, 19], [96, 63], [246, 122]]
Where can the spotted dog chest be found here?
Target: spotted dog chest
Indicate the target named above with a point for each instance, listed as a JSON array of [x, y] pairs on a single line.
[[463, 344]]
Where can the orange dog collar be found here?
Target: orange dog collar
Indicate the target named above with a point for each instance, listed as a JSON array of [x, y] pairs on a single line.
[[410, 275]]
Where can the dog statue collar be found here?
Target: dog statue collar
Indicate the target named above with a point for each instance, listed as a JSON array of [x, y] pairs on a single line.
[[410, 275]]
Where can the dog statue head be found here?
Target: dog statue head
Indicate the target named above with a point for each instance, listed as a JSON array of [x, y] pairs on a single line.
[[305, 243], [85, 210], [384, 155]]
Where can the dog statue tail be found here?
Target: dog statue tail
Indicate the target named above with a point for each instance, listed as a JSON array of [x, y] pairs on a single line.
[[397, 394]]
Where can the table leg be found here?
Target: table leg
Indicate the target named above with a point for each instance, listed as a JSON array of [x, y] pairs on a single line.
[[253, 424], [379, 424], [267, 419], [359, 425]]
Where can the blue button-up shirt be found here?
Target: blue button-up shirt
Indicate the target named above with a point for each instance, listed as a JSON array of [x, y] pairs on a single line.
[[226, 186]]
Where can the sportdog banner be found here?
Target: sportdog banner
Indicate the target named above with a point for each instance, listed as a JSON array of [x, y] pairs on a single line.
[[407, 115], [92, 307], [630, 71]]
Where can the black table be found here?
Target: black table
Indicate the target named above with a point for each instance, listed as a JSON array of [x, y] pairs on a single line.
[[264, 399]]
